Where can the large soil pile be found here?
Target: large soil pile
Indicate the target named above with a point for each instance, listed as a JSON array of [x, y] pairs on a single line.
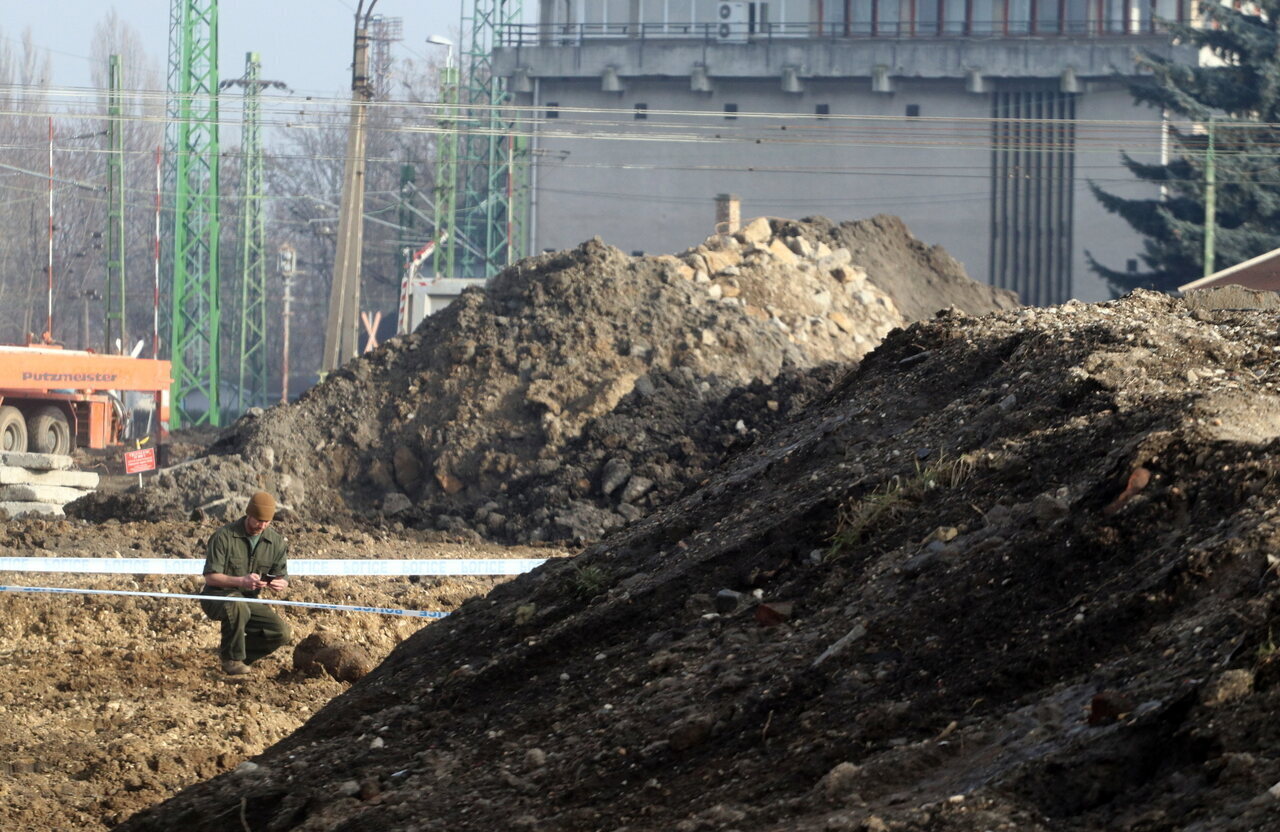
[[1015, 572], [582, 390]]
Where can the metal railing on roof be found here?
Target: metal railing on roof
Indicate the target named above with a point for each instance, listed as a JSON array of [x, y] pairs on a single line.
[[575, 34]]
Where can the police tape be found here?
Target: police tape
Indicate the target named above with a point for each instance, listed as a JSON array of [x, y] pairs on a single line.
[[301, 566], [60, 590]]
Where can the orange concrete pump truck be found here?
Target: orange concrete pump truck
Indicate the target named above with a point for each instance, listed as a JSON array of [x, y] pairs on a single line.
[[54, 400]]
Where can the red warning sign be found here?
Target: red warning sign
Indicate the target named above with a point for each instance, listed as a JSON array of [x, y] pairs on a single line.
[[135, 462]]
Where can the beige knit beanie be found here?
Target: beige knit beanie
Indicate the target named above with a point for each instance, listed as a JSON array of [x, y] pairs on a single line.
[[262, 507]]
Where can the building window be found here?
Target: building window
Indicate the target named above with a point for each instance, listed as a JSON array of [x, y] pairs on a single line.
[[730, 112], [553, 109], [913, 110], [642, 111], [822, 109]]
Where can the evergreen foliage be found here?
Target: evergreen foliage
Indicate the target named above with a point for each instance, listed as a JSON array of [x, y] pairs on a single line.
[[1240, 90]]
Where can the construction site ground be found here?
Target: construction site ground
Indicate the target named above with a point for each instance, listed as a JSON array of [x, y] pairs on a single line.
[[109, 704], [982, 568]]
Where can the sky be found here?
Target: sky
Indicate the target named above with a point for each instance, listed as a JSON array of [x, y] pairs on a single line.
[[304, 43]]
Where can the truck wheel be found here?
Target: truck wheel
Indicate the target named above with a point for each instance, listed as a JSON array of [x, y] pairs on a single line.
[[48, 431], [13, 430]]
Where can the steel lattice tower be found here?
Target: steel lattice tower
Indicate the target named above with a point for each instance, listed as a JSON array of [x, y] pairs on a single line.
[[383, 31], [252, 378], [489, 214], [114, 295], [169, 160], [196, 320]]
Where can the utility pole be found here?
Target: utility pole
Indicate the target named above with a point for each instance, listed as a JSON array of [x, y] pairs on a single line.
[[407, 219], [252, 376], [341, 337], [196, 321], [287, 265], [115, 294], [86, 295], [48, 327], [1210, 202]]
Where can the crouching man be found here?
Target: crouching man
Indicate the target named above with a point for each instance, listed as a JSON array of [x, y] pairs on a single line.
[[243, 558]]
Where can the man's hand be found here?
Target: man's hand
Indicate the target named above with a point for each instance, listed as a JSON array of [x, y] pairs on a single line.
[[277, 584], [251, 582]]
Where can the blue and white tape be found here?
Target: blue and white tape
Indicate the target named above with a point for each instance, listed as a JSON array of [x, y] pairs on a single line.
[[59, 590], [297, 567]]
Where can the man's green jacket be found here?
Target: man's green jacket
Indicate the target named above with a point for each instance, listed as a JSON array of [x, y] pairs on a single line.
[[228, 553]]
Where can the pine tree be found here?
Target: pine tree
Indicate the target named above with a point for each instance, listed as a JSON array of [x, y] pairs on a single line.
[[1238, 99]]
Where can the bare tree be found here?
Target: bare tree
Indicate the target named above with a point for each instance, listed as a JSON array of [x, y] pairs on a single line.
[[305, 181], [24, 74]]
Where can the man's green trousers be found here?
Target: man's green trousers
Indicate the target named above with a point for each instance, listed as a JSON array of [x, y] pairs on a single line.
[[249, 631]]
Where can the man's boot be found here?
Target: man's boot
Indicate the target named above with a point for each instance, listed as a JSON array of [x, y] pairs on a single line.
[[234, 667]]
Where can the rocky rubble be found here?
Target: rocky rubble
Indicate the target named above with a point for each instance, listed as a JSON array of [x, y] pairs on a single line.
[[1014, 572], [582, 390], [919, 278]]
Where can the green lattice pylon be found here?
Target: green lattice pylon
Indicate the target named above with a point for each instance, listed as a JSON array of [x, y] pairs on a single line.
[[252, 378], [195, 322], [114, 297], [489, 206], [169, 165]]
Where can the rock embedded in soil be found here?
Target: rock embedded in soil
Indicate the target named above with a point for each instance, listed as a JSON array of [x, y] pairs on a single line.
[[325, 653]]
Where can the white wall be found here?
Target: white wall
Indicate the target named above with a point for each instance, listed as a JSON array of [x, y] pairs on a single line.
[[658, 196]]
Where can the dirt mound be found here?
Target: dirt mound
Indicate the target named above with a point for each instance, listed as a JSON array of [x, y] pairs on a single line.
[[920, 278], [1015, 572], [579, 392], [322, 652]]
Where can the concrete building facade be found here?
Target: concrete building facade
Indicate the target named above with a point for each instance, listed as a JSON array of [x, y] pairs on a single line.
[[979, 122]]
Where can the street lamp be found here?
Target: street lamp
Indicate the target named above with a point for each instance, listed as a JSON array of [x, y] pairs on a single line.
[[440, 40]]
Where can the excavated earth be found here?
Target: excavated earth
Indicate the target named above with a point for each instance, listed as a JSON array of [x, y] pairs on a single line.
[[109, 704], [582, 389], [1012, 572]]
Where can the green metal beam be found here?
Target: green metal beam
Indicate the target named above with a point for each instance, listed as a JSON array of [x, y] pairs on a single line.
[[169, 164], [252, 379], [196, 320], [114, 295]]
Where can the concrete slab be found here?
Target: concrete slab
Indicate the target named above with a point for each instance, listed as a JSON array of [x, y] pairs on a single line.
[[15, 509], [10, 475], [1232, 297], [36, 462], [40, 493]]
